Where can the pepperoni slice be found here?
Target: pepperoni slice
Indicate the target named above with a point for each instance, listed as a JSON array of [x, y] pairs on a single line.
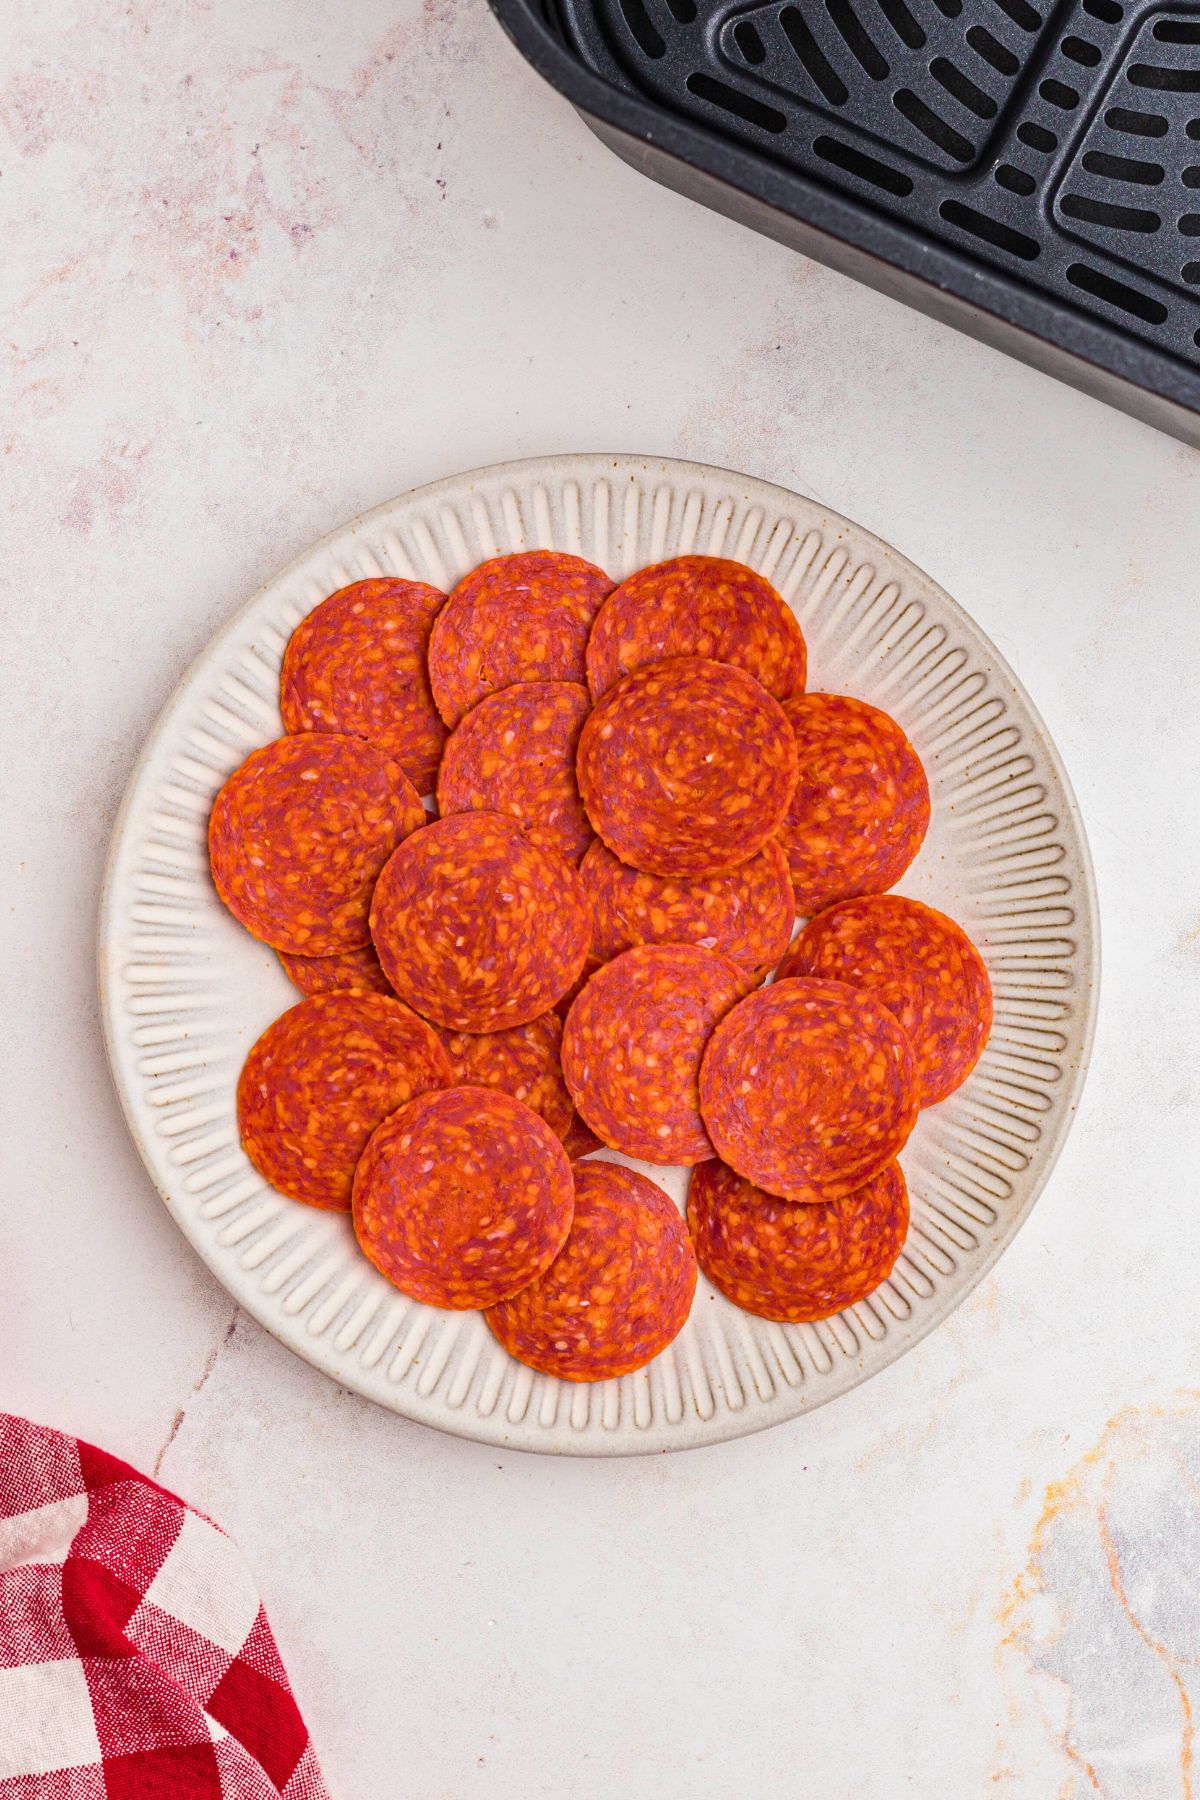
[[563, 1006], [581, 1140], [476, 926], [745, 914], [515, 753], [517, 618], [524, 1061], [686, 767], [920, 965], [463, 1198], [358, 969], [616, 1294], [795, 1263], [861, 806], [698, 606], [318, 1082], [632, 1047], [809, 1089], [356, 664], [298, 834]]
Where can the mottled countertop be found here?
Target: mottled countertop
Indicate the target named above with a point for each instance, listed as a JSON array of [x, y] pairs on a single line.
[[264, 266]]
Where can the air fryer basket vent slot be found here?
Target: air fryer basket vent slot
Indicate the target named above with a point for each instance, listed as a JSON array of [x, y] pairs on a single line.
[[932, 82], [1057, 140], [1130, 186]]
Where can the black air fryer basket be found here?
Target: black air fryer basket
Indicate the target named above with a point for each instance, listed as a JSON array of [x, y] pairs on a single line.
[[1028, 170]]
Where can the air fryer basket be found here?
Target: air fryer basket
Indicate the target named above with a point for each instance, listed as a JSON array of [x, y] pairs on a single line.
[[1028, 171]]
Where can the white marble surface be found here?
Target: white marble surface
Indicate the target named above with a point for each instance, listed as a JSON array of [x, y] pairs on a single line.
[[266, 264]]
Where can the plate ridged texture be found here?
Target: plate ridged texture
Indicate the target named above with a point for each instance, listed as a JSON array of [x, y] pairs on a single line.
[[185, 992]]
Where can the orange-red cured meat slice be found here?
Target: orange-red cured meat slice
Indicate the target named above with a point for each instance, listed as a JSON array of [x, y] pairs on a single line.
[[916, 962], [861, 806], [463, 1197], [632, 1046], [298, 834], [524, 1061], [809, 1089], [515, 753], [795, 1263], [360, 969], [356, 664], [581, 1140], [478, 927], [563, 1006], [745, 914], [698, 606], [686, 767], [617, 1292], [318, 1082], [517, 618]]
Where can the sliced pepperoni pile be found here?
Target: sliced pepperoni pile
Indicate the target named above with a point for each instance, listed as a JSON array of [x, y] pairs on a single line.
[[357, 665], [321, 1078], [515, 753], [516, 618], [591, 964], [745, 914], [580, 1140], [298, 835], [526, 1062], [861, 806], [687, 767], [463, 1197], [633, 1043], [795, 1263], [808, 1089], [636, 796], [618, 1291], [920, 965], [698, 606], [460, 920], [359, 969]]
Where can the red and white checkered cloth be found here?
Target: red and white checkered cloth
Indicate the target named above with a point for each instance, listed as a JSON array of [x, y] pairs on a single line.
[[136, 1662]]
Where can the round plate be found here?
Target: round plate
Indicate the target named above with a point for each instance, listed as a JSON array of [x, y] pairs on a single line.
[[185, 991]]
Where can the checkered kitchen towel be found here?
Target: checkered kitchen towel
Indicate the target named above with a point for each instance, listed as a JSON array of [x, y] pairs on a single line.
[[136, 1662]]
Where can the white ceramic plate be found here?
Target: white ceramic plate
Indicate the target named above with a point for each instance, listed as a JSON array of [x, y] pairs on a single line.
[[185, 991]]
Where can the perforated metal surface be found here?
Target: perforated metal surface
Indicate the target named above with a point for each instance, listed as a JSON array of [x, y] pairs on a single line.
[[1132, 185], [947, 80], [1057, 141]]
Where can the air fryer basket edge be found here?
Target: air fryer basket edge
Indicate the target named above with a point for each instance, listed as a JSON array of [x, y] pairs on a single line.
[[836, 229]]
